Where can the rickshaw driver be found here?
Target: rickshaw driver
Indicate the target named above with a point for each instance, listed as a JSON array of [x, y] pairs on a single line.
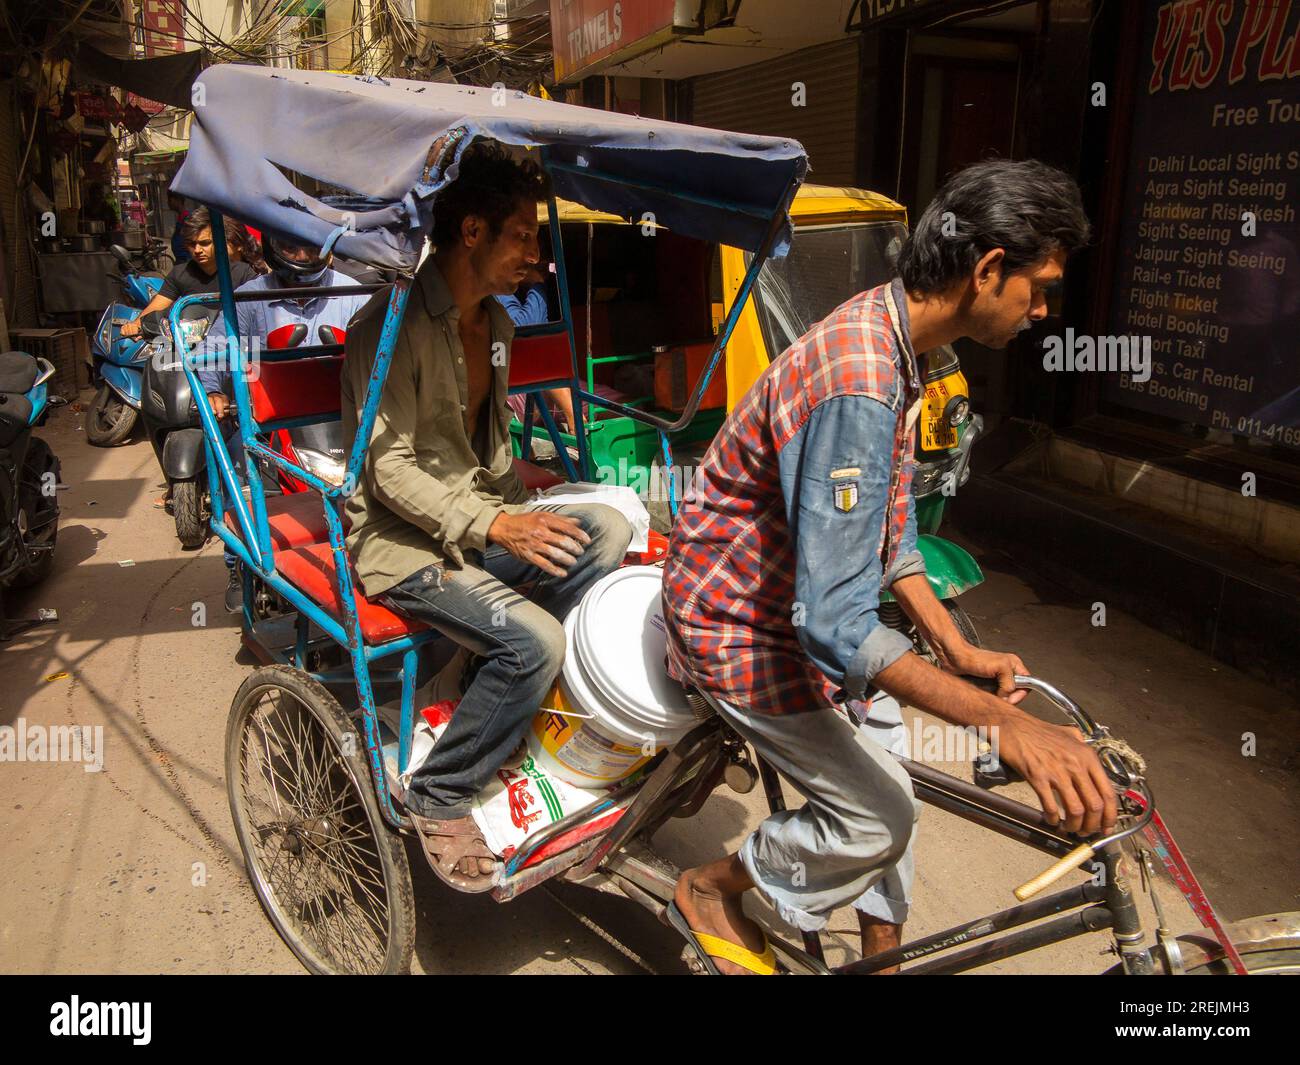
[[439, 526], [800, 513]]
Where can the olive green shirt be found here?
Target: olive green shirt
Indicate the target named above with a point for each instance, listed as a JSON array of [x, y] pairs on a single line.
[[425, 497]]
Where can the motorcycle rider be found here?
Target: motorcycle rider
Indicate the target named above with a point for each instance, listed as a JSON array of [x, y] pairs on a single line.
[[199, 272], [292, 266]]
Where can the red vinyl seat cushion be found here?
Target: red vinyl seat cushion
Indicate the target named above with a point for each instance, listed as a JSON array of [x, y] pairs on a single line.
[[311, 570], [294, 520]]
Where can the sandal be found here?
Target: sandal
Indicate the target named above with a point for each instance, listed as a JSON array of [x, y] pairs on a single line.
[[447, 843], [706, 947]]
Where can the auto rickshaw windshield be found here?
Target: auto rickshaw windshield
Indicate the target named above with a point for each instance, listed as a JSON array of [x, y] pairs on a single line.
[[826, 266]]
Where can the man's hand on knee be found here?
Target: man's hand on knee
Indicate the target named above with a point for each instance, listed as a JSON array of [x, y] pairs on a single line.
[[548, 541]]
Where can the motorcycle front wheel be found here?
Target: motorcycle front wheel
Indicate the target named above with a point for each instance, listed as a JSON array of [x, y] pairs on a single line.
[[109, 418], [189, 508], [40, 473]]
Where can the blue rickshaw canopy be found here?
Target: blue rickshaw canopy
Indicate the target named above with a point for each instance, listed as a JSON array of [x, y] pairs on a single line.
[[393, 144]]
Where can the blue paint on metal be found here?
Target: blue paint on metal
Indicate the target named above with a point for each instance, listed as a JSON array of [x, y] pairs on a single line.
[[553, 431], [222, 481], [243, 402], [668, 472], [566, 315], [410, 663], [378, 375]]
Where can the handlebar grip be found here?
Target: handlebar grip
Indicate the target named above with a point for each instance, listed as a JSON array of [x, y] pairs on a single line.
[[987, 684], [1050, 876]]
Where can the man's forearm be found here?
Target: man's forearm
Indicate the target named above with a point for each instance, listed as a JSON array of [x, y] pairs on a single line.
[[931, 618], [914, 681]]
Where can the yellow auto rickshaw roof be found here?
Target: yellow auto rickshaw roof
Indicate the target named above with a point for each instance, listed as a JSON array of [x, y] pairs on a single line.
[[813, 205]]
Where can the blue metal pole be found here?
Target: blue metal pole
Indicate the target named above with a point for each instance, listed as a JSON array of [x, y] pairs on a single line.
[[356, 646], [378, 375], [553, 431], [347, 604], [566, 313], [222, 475], [406, 727], [234, 355]]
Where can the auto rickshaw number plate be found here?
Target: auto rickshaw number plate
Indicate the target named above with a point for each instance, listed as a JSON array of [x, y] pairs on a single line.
[[936, 433]]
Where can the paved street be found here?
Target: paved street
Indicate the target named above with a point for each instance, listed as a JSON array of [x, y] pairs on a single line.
[[136, 868]]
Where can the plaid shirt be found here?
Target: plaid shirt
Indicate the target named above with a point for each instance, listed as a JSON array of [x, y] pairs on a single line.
[[730, 602]]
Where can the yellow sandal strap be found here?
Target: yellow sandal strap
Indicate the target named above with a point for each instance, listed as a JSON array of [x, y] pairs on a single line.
[[763, 964]]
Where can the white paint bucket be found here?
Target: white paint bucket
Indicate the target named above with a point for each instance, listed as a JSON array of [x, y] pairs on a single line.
[[614, 706]]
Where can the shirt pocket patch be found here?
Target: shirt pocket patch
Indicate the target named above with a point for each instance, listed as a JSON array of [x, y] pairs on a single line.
[[845, 495]]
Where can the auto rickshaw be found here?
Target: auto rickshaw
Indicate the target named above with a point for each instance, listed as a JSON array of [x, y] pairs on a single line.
[[314, 770]]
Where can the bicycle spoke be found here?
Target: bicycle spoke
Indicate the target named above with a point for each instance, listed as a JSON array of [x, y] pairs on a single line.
[[312, 837]]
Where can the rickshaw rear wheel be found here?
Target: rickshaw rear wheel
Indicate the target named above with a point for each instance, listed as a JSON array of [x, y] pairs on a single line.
[[330, 874]]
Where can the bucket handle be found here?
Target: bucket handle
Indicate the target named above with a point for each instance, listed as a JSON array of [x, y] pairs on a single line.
[[569, 713]]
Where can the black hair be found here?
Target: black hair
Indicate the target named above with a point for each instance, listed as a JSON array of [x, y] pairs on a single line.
[[490, 184], [237, 235], [1028, 209]]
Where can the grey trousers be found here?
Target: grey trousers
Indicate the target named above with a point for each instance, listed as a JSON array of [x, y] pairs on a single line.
[[850, 841]]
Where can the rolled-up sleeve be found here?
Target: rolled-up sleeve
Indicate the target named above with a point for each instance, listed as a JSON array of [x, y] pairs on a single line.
[[835, 476]]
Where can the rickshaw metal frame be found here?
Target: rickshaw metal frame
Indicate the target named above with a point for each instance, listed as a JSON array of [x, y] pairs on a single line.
[[618, 854], [253, 548]]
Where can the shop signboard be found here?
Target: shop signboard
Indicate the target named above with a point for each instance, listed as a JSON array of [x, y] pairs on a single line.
[[1208, 264]]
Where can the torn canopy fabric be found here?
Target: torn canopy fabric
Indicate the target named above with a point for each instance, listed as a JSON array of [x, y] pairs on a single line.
[[393, 144]]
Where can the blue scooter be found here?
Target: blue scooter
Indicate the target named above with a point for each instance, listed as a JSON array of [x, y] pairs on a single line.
[[117, 362], [29, 479]]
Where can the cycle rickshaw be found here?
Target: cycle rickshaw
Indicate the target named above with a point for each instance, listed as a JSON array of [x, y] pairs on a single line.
[[314, 774]]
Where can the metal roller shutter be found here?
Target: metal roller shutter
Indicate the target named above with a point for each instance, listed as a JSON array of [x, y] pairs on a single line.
[[758, 99]]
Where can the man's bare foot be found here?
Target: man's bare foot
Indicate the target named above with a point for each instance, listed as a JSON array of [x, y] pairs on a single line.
[[879, 936], [710, 900], [457, 852]]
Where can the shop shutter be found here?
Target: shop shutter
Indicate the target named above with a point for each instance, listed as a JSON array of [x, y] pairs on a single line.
[[757, 99]]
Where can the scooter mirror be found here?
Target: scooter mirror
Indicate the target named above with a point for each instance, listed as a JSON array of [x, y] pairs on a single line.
[[151, 324], [287, 336], [331, 334], [121, 255]]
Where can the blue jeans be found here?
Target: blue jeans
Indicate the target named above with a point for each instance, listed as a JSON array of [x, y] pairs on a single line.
[[520, 639], [234, 445]]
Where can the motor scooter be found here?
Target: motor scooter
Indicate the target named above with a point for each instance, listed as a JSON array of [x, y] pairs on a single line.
[[171, 421], [29, 479], [172, 424], [117, 361]]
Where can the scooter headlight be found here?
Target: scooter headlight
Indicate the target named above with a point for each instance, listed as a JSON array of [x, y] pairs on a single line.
[[328, 469]]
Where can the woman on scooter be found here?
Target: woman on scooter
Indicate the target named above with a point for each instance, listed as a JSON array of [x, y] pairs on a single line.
[[199, 272]]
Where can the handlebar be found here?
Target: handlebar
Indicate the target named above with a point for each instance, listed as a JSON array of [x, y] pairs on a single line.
[[1081, 718], [1114, 765]]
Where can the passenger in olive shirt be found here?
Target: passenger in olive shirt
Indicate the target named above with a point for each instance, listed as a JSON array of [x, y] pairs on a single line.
[[439, 530]]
